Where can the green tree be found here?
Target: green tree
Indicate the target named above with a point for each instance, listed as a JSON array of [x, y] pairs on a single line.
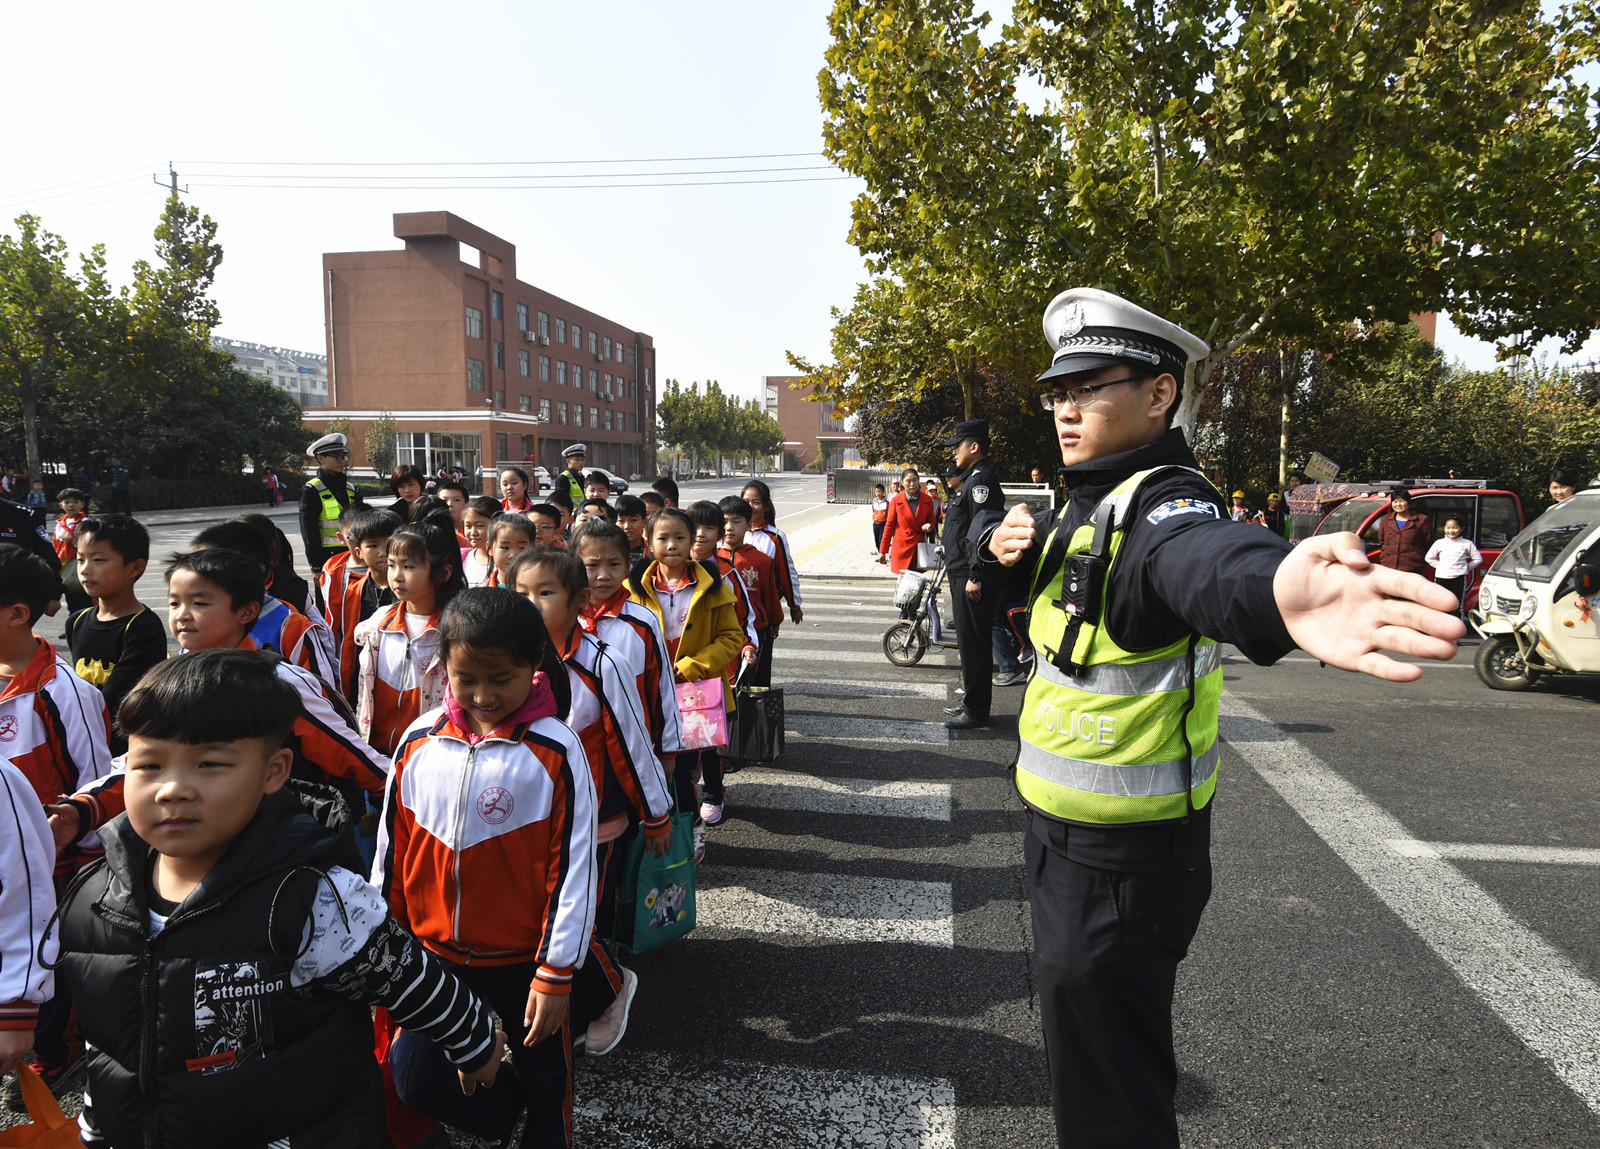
[[381, 443], [1258, 171]]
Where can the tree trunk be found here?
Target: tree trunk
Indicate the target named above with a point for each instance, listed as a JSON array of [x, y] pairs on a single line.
[[1195, 378], [1283, 426], [30, 432], [968, 394]]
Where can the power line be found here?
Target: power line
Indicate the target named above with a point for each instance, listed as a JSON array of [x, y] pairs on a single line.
[[73, 183], [489, 163], [524, 187], [29, 198], [517, 176]]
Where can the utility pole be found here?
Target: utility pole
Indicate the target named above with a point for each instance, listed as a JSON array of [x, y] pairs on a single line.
[[155, 179]]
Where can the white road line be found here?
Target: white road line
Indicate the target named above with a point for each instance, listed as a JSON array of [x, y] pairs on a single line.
[[759, 1104], [850, 728], [788, 654], [1534, 988], [1240, 660], [831, 906], [934, 691], [786, 790], [1485, 852]]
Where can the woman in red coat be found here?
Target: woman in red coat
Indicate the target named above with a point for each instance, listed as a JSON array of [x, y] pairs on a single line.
[[911, 515], [1404, 536]]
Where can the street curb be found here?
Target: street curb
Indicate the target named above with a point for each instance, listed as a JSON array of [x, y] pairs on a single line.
[[886, 579]]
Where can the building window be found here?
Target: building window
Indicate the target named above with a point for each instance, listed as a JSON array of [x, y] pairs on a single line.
[[500, 448], [561, 331], [594, 344], [544, 368], [608, 348], [497, 304], [594, 418], [474, 374], [633, 421], [633, 390], [577, 414], [631, 357], [544, 327], [544, 410], [619, 351], [577, 337], [608, 384], [561, 372], [594, 380], [430, 450], [647, 378], [522, 364], [524, 403], [561, 413], [608, 419], [522, 317], [499, 356], [499, 397], [474, 323]]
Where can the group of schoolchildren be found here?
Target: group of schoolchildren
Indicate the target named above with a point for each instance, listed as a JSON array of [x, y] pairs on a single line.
[[410, 787]]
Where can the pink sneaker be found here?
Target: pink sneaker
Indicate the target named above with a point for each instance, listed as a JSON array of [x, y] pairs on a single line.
[[606, 1031]]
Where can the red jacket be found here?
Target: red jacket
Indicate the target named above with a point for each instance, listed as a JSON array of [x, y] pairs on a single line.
[[1406, 548], [903, 530], [760, 578]]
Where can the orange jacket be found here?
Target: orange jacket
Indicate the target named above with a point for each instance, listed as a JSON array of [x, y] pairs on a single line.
[[759, 575]]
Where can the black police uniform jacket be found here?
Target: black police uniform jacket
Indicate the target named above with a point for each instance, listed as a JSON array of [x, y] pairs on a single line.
[[196, 1036], [1184, 568], [976, 508], [338, 484]]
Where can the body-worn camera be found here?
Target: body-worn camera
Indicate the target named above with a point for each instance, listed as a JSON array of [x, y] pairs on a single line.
[[1082, 580]]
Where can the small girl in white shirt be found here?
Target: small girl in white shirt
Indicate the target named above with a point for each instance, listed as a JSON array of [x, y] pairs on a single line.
[[1453, 559]]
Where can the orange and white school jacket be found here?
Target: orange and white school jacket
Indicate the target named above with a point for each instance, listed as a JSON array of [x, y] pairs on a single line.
[[55, 729], [633, 633], [306, 642], [339, 574], [65, 536], [609, 718], [486, 851], [27, 900], [772, 542], [400, 677]]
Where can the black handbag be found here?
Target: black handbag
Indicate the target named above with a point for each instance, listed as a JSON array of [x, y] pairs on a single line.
[[755, 728]]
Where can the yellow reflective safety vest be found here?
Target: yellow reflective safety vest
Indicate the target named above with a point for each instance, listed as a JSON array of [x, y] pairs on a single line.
[[574, 485], [1108, 736], [328, 519]]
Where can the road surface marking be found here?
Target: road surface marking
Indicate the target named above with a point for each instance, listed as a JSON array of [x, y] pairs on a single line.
[[850, 728], [830, 906], [934, 691], [757, 1104], [1484, 852], [1534, 988], [785, 790], [785, 654]]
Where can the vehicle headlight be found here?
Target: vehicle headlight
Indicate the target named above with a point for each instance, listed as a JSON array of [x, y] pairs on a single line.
[[1529, 605]]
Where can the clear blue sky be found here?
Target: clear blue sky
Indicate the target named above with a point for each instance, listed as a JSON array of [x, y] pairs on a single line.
[[726, 278]]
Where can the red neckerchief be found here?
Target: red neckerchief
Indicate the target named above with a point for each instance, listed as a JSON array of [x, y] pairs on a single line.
[[594, 612]]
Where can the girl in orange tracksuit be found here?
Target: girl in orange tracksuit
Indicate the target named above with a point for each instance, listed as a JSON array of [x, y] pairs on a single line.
[[700, 622], [402, 674], [487, 856]]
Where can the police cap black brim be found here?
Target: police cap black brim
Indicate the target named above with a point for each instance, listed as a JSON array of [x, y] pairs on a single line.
[[1076, 364]]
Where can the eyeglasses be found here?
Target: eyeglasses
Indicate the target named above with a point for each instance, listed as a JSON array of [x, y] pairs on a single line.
[[1082, 396]]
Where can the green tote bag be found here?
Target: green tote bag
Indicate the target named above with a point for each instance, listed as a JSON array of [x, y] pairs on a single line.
[[655, 896]]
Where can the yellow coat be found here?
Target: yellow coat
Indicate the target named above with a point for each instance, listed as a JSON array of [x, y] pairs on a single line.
[[712, 637]]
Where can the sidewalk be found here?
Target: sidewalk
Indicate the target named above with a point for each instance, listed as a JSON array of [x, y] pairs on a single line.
[[839, 548], [188, 516]]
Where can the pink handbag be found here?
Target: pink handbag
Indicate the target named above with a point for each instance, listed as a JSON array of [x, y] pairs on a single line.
[[705, 716]]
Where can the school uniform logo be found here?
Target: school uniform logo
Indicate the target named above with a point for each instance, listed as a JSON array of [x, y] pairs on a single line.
[[8, 728], [495, 805]]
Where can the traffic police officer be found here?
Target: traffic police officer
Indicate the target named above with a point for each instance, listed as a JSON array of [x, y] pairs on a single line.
[[1131, 586], [323, 500], [972, 511], [573, 475]]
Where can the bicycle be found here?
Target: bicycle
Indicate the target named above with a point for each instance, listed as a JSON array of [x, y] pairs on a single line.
[[921, 629]]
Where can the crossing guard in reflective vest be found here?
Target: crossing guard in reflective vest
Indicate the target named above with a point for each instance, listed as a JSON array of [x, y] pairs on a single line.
[[328, 519], [1110, 736]]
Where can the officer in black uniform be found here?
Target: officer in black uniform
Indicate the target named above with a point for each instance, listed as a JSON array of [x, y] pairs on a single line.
[[25, 527], [318, 515], [1115, 905], [975, 509]]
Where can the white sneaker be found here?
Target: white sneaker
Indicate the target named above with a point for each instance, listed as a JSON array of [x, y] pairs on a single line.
[[606, 1031], [711, 812], [699, 842]]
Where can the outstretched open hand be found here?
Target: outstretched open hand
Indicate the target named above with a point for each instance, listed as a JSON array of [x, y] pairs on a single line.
[[1342, 609]]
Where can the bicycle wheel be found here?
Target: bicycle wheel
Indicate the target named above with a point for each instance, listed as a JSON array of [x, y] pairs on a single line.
[[905, 643]]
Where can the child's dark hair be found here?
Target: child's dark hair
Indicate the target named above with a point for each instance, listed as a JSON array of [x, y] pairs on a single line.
[[667, 489], [740, 508], [421, 542], [601, 508], [28, 579], [240, 576], [511, 521], [631, 505], [517, 471], [282, 553], [561, 499], [239, 537], [452, 485], [484, 505], [568, 567], [122, 533], [487, 618], [548, 510], [766, 500], [212, 696], [652, 499], [372, 525], [664, 514], [66, 493], [596, 478], [428, 509], [600, 534], [705, 513]]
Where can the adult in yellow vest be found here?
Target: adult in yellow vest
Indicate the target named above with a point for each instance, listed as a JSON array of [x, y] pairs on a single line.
[[1130, 586], [571, 479], [323, 499]]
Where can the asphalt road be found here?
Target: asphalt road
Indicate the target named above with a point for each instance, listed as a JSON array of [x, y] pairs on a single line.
[[1401, 950]]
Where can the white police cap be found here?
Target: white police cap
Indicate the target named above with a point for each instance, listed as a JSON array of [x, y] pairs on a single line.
[[1090, 329], [329, 443], [575, 449]]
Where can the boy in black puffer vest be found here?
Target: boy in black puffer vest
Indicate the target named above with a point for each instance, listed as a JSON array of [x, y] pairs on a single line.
[[226, 951]]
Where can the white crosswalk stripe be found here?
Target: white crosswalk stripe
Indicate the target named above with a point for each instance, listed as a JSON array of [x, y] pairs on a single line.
[[834, 907], [783, 790], [848, 728], [761, 1105]]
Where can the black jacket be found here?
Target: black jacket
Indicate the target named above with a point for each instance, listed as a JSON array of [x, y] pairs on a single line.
[[976, 508], [311, 514], [21, 525], [196, 1037]]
